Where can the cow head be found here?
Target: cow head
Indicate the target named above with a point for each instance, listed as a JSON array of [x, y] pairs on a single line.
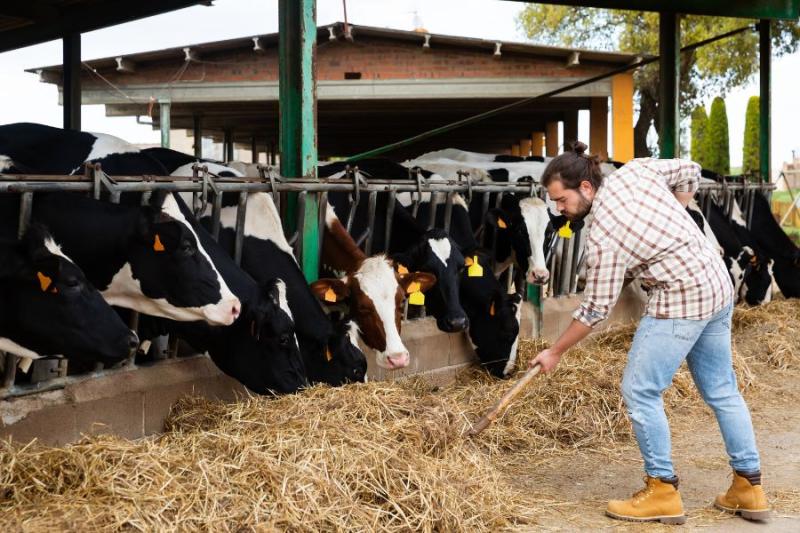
[[49, 308], [375, 294], [169, 273], [755, 272], [525, 229], [494, 318], [345, 360], [439, 255], [261, 349]]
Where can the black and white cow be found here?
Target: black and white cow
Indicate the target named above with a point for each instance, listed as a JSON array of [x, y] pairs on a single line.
[[786, 254], [750, 269], [259, 349], [48, 308], [328, 346]]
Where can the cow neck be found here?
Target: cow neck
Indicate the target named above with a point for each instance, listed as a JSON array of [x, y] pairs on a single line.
[[94, 234], [339, 251]]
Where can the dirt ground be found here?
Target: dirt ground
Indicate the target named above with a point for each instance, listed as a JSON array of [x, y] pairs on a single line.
[[577, 485]]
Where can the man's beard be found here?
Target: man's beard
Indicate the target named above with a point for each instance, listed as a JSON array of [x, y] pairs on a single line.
[[583, 209]]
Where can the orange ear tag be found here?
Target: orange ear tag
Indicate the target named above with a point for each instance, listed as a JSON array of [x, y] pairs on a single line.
[[157, 246], [44, 281], [328, 354], [475, 270], [401, 269], [413, 287], [491, 310], [501, 223], [468, 261], [565, 232], [753, 260], [330, 295], [416, 298]]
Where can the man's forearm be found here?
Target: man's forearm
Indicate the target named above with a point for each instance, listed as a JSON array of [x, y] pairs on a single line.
[[684, 197], [575, 333]]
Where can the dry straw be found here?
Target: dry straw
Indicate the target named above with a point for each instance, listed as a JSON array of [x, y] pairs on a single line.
[[380, 456]]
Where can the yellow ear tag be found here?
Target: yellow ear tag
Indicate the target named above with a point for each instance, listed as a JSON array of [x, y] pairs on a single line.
[[475, 270], [491, 310], [401, 269], [501, 223], [416, 298], [44, 281], [157, 246], [328, 354], [330, 295], [413, 287], [565, 232]]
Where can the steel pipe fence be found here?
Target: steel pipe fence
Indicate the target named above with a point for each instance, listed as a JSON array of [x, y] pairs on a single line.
[[564, 257]]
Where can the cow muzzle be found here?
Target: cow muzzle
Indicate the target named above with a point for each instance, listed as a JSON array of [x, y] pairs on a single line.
[[393, 361], [538, 276], [224, 313]]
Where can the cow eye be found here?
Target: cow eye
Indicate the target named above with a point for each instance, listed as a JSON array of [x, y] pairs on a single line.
[[284, 340], [71, 282], [186, 247]]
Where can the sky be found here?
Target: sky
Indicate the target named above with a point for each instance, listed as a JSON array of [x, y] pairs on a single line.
[[24, 98]]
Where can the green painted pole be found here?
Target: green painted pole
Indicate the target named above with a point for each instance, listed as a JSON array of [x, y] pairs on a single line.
[[297, 29], [765, 74], [669, 72]]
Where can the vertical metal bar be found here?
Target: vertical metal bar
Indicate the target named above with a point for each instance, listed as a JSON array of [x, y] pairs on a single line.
[[71, 49], [669, 74], [300, 213], [322, 199], [390, 206], [484, 210], [448, 211], [297, 31], [25, 209], [566, 260], [164, 118], [10, 371], [241, 214], [765, 91], [216, 211], [198, 136], [573, 271], [253, 149], [434, 206], [373, 200], [228, 141]]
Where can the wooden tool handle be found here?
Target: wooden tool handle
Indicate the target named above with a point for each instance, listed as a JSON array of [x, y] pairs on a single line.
[[501, 405]]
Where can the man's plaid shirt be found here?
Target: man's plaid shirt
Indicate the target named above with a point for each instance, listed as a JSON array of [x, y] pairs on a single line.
[[640, 230]]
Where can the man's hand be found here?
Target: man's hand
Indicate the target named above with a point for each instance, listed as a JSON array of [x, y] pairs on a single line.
[[684, 197], [548, 358]]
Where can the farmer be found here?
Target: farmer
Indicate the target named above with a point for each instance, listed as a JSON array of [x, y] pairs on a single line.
[[640, 229]]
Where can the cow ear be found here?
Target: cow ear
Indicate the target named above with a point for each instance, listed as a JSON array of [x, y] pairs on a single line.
[[498, 218], [417, 281], [331, 290]]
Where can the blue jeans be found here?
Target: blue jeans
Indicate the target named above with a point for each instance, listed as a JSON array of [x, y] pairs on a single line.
[[659, 347]]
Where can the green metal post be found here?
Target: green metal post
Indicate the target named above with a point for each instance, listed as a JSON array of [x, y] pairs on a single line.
[[669, 42], [297, 29], [163, 118], [765, 73], [535, 298]]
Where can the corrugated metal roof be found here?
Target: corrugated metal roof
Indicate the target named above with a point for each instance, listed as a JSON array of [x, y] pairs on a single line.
[[323, 33]]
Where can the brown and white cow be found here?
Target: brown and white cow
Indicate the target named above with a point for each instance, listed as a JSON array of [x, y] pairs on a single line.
[[373, 290]]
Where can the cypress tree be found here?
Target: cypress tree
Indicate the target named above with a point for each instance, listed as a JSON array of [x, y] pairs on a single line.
[[699, 130], [750, 148], [718, 147]]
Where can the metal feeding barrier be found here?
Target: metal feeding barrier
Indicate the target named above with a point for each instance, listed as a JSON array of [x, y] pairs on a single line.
[[564, 256], [208, 189]]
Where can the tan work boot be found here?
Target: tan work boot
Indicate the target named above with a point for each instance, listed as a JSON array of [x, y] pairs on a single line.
[[657, 502], [744, 499]]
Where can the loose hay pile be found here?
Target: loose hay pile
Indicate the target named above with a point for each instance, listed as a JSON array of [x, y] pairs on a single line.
[[382, 456], [364, 457]]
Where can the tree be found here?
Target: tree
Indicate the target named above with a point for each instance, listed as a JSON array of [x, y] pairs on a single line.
[[712, 69], [750, 148], [699, 130], [717, 146]]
